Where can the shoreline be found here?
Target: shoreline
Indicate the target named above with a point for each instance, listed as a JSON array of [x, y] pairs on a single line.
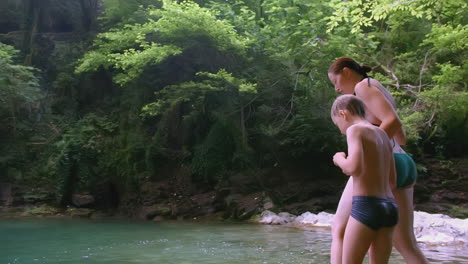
[[430, 229]]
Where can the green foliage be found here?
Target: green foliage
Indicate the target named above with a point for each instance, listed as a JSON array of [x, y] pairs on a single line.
[[448, 39], [451, 109], [77, 153], [239, 84], [458, 212], [18, 83], [19, 91], [423, 50], [218, 97], [176, 27], [125, 11], [450, 75], [215, 155], [195, 93]]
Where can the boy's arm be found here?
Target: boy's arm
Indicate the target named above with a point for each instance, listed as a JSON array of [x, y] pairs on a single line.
[[351, 165]]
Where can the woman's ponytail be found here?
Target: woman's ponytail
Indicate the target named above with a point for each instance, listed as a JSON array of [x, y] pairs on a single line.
[[340, 63]]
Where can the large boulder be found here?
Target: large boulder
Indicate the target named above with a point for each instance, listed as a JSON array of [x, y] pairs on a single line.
[[244, 206], [19, 195], [82, 200], [149, 212], [79, 212], [153, 192], [205, 203], [6, 197]]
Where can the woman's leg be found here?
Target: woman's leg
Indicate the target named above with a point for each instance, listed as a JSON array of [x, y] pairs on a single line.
[[357, 240], [403, 237], [339, 222]]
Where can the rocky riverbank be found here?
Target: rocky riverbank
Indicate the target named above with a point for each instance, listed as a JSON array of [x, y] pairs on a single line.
[[441, 189]]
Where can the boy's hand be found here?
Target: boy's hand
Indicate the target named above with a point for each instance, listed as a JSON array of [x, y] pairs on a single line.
[[338, 156]]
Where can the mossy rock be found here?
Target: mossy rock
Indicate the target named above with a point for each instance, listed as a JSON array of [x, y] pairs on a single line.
[[10, 212], [459, 211], [79, 212], [42, 211], [41, 196]]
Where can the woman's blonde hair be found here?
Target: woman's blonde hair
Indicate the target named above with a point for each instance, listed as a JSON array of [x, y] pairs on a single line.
[[348, 102]]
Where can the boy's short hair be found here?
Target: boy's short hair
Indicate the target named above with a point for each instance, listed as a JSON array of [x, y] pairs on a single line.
[[348, 102]]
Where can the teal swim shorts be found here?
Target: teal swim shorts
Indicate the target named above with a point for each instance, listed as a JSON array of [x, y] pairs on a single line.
[[405, 170]]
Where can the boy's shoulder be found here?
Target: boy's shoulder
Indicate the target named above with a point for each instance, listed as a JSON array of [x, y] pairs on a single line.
[[364, 130], [358, 128]]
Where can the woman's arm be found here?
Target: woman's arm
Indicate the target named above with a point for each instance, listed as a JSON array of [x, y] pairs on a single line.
[[381, 108], [392, 176]]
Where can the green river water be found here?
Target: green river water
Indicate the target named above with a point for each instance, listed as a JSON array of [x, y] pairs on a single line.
[[125, 241]]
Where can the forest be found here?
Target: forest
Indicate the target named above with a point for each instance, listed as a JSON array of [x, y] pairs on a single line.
[[188, 108]]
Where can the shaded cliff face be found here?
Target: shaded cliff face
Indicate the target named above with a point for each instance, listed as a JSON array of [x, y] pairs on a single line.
[[45, 16], [35, 27], [52, 35]]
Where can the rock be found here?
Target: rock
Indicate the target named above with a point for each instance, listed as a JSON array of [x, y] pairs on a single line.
[[433, 207], [19, 195], [242, 207], [321, 219], [36, 196], [6, 212], [268, 217], [149, 212], [432, 229], [205, 203], [244, 182], [153, 192], [82, 200], [6, 197], [44, 210], [158, 218], [306, 219], [268, 205], [99, 215], [79, 212], [316, 205], [440, 229]]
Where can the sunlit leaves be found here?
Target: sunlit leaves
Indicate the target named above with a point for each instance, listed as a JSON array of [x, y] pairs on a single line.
[[168, 32], [195, 92], [184, 23], [18, 83], [448, 39]]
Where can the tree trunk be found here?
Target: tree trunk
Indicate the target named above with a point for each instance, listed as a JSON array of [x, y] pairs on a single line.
[[242, 126], [32, 12], [89, 11]]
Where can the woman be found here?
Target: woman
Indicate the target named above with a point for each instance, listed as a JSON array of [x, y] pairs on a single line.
[[349, 77]]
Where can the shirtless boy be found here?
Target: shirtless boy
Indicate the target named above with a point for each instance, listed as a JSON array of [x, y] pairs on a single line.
[[370, 162]]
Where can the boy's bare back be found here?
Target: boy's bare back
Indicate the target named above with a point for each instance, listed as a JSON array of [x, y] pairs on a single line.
[[372, 151]]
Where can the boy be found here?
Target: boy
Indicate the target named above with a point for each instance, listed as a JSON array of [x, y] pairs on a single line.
[[374, 212]]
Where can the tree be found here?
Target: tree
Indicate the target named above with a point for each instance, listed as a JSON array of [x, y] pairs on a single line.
[[18, 87], [422, 58]]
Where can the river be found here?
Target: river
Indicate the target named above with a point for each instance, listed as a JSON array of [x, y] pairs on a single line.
[[126, 241]]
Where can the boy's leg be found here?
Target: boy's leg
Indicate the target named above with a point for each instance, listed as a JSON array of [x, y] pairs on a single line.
[[339, 222], [381, 247], [357, 240], [403, 237]]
